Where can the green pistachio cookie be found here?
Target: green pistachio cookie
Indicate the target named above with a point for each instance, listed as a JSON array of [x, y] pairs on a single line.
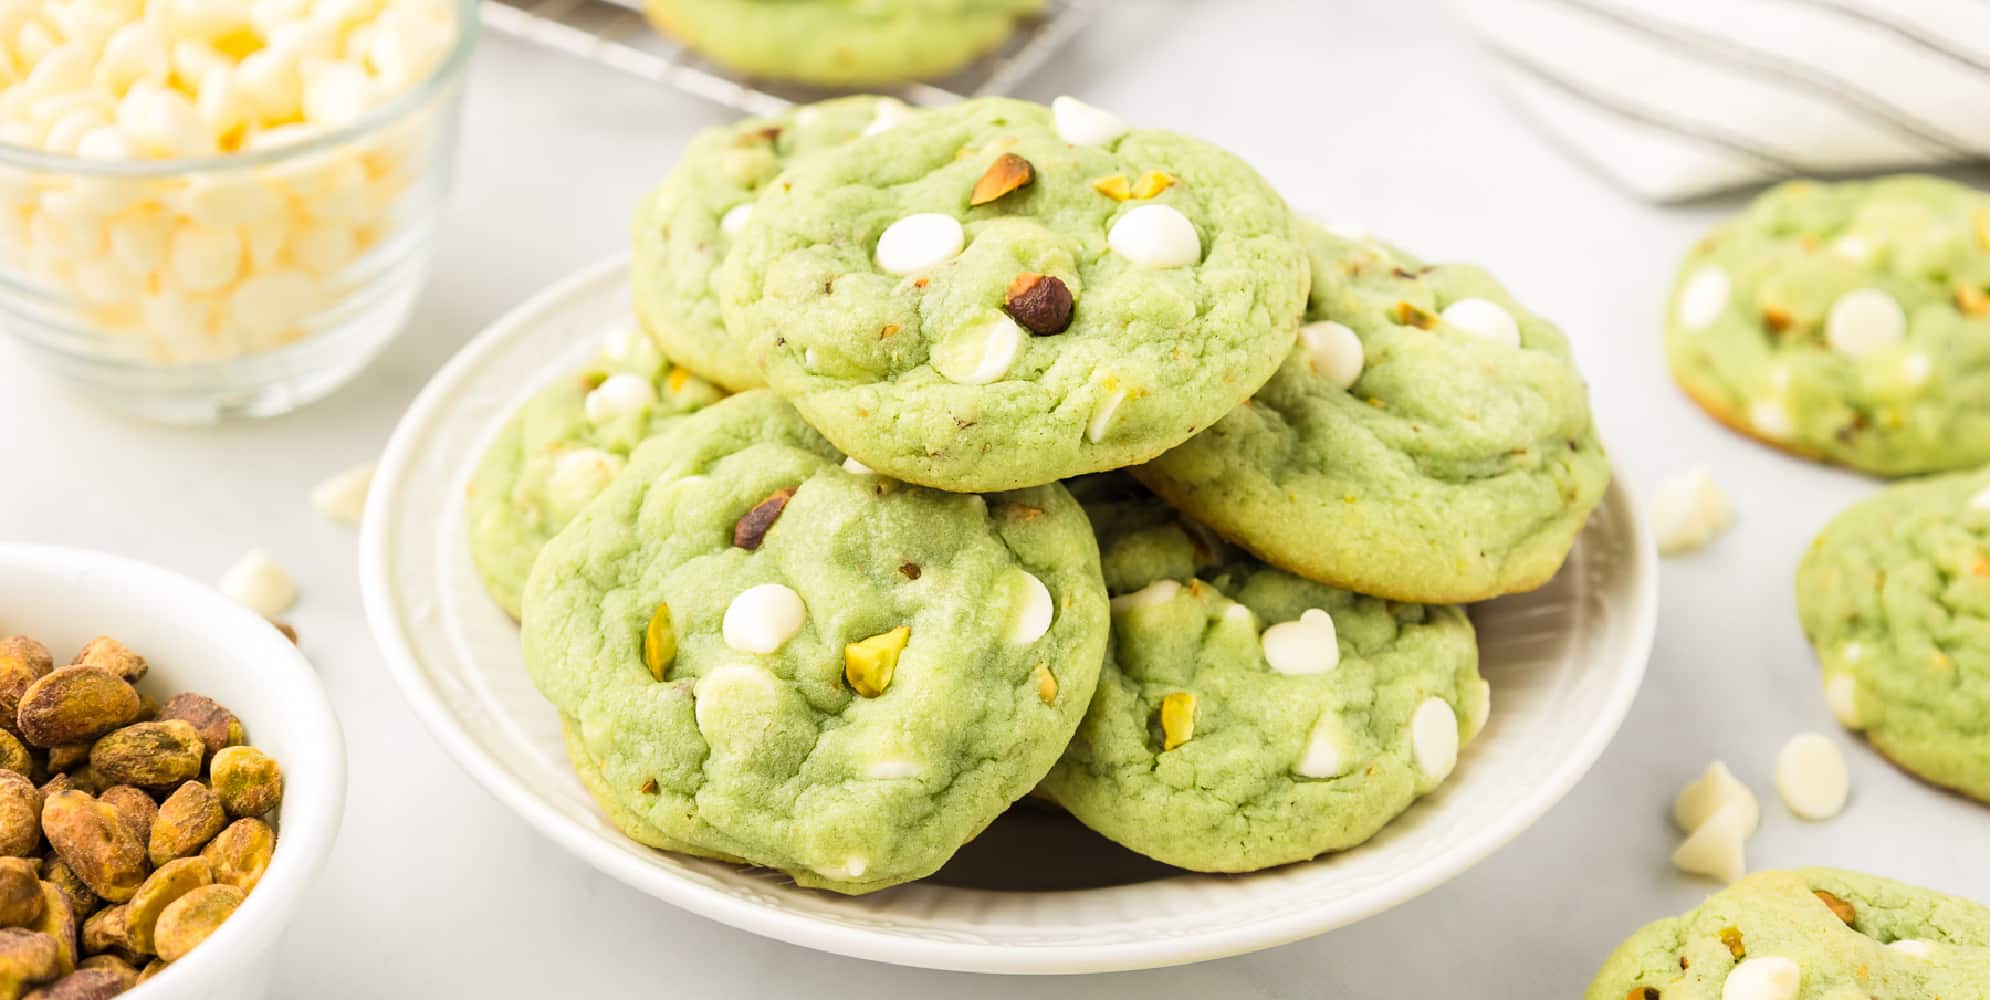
[[1428, 438], [683, 229], [1846, 322], [1248, 718], [1895, 596], [996, 295], [841, 42], [767, 657], [562, 448], [1810, 934]]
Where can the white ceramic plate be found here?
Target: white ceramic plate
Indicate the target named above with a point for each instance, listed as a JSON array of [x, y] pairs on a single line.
[[1564, 663]]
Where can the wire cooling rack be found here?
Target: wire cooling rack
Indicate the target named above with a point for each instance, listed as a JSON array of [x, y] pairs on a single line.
[[616, 35]]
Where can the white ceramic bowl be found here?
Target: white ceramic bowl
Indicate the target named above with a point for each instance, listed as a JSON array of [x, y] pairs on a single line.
[[197, 640], [1564, 663]]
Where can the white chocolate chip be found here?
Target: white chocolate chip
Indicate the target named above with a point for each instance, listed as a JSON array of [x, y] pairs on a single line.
[[1714, 790], [1981, 501], [762, 618], [1704, 298], [620, 343], [1864, 322], [734, 690], [1234, 612], [1434, 738], [1852, 248], [1810, 776], [893, 769], [852, 867], [1478, 707], [1771, 977], [343, 497], [1322, 757], [1155, 236], [1484, 319], [1032, 609], [1687, 512], [204, 259], [258, 583], [1717, 847], [1153, 595], [735, 218], [1103, 411], [980, 352], [1310, 645], [1913, 947], [920, 242], [1332, 351], [1915, 369], [1349, 230], [1080, 124], [1771, 419], [891, 112], [1841, 695], [578, 477], [856, 468], [619, 395]]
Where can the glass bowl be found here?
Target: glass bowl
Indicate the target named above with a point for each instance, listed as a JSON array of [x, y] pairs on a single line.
[[241, 285]]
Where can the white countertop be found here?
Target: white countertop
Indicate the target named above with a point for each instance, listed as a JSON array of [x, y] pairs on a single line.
[[1367, 111]]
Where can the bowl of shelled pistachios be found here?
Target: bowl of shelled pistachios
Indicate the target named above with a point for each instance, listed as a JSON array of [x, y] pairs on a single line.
[[171, 779]]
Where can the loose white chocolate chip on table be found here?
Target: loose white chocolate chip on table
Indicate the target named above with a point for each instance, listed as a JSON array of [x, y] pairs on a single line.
[[1080, 124], [1484, 319], [1770, 418], [258, 583], [1033, 608], [1864, 322], [762, 618], [980, 352], [1153, 595], [1770, 977], [1704, 298], [1715, 789], [1308, 645], [1913, 947], [1810, 776], [1322, 757], [1332, 351], [343, 496], [1687, 512], [735, 218], [1434, 738], [619, 395], [920, 242], [1841, 695], [1717, 847], [1155, 236]]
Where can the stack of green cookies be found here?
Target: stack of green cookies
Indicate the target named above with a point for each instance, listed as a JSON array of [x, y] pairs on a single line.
[[836, 625]]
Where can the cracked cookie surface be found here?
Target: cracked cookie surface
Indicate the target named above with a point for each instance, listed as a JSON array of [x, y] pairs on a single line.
[[971, 301], [683, 228], [1248, 718], [557, 452], [1815, 934], [1848, 322], [1427, 439], [769, 657], [1894, 595]]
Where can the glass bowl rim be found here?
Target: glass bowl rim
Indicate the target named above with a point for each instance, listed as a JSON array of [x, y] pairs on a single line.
[[403, 105]]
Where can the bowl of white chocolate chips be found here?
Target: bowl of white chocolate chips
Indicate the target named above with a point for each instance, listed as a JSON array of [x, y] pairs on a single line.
[[221, 208]]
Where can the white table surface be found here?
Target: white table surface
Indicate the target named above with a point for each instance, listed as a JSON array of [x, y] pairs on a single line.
[[1366, 111]]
